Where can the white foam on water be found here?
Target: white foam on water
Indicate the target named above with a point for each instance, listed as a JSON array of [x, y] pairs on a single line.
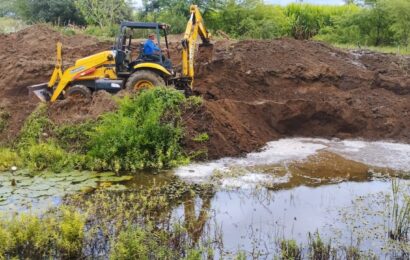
[[252, 180], [273, 153], [381, 154]]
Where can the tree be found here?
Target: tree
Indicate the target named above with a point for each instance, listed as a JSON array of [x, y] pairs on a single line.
[[104, 12], [55, 11], [7, 8], [399, 11]]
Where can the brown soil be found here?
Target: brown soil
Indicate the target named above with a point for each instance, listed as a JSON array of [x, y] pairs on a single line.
[[254, 91], [28, 57], [257, 91]]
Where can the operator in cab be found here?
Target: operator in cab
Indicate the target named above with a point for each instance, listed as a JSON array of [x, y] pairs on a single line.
[[151, 51]]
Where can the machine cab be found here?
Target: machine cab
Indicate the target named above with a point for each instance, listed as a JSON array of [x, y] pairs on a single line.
[[126, 58]]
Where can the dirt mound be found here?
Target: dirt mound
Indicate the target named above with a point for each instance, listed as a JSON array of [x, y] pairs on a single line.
[[28, 57], [81, 110], [257, 91], [254, 91]]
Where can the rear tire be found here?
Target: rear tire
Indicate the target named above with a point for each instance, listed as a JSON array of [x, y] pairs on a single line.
[[78, 92], [143, 79]]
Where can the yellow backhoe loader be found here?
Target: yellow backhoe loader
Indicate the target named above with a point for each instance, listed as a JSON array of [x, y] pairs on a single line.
[[116, 69]]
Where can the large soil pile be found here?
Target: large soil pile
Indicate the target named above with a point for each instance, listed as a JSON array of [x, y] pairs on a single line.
[[254, 91], [28, 57], [257, 91]]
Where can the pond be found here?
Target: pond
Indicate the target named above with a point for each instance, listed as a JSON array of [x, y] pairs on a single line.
[[291, 189]]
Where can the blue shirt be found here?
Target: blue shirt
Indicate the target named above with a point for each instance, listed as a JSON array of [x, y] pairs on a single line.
[[150, 48]]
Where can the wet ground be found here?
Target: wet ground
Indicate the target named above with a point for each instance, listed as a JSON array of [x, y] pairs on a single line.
[[293, 187]]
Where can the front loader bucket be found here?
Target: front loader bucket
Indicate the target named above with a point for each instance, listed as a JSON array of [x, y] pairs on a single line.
[[39, 92]]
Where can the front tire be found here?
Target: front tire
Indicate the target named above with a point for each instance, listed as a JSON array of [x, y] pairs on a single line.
[[78, 92], [143, 79]]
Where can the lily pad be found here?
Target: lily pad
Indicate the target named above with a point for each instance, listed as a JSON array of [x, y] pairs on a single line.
[[115, 178]]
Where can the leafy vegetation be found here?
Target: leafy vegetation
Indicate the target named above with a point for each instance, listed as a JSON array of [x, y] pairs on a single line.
[[9, 159], [400, 213], [200, 138], [57, 234], [360, 23], [290, 250], [318, 249], [144, 133]]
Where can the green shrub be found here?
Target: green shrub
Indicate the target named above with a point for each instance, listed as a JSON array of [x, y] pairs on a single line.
[[57, 234], [131, 244], [144, 133], [74, 137], [9, 158], [48, 155], [70, 232], [36, 126], [142, 243]]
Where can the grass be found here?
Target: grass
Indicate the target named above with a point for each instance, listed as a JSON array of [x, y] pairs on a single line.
[[56, 234], [11, 25], [382, 49], [290, 250], [144, 133], [400, 213], [319, 250]]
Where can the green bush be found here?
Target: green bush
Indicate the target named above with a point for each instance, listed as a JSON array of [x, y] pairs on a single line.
[[144, 133], [74, 137], [47, 155], [35, 128], [57, 234], [9, 158]]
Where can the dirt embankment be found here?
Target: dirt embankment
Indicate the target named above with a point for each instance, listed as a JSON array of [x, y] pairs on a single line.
[[28, 57], [258, 91], [254, 91]]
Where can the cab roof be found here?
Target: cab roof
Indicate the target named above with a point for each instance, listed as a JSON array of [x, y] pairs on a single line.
[[141, 25]]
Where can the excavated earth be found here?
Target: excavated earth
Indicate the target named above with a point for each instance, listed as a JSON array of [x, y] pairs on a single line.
[[254, 91]]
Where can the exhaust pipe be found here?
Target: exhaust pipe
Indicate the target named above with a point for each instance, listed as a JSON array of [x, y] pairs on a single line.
[[39, 92]]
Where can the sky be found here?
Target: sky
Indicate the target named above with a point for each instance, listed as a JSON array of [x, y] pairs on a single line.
[[285, 2]]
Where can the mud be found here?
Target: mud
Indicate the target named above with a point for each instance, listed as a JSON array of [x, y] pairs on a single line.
[[258, 91], [28, 57], [254, 91]]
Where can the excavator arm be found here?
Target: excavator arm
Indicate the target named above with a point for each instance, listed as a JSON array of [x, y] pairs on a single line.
[[194, 28]]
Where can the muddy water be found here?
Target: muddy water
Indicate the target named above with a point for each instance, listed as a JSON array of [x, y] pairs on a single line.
[[292, 187]]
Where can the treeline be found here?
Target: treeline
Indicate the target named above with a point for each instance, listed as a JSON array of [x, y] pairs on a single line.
[[363, 22]]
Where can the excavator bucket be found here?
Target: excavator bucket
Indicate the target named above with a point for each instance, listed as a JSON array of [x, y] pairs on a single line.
[[42, 91], [39, 92]]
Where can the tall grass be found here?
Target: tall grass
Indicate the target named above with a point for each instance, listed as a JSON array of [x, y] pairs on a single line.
[[400, 213], [11, 25]]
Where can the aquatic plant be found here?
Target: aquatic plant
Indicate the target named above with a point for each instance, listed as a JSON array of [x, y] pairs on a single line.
[[319, 250], [290, 250], [56, 234], [9, 159], [400, 213]]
